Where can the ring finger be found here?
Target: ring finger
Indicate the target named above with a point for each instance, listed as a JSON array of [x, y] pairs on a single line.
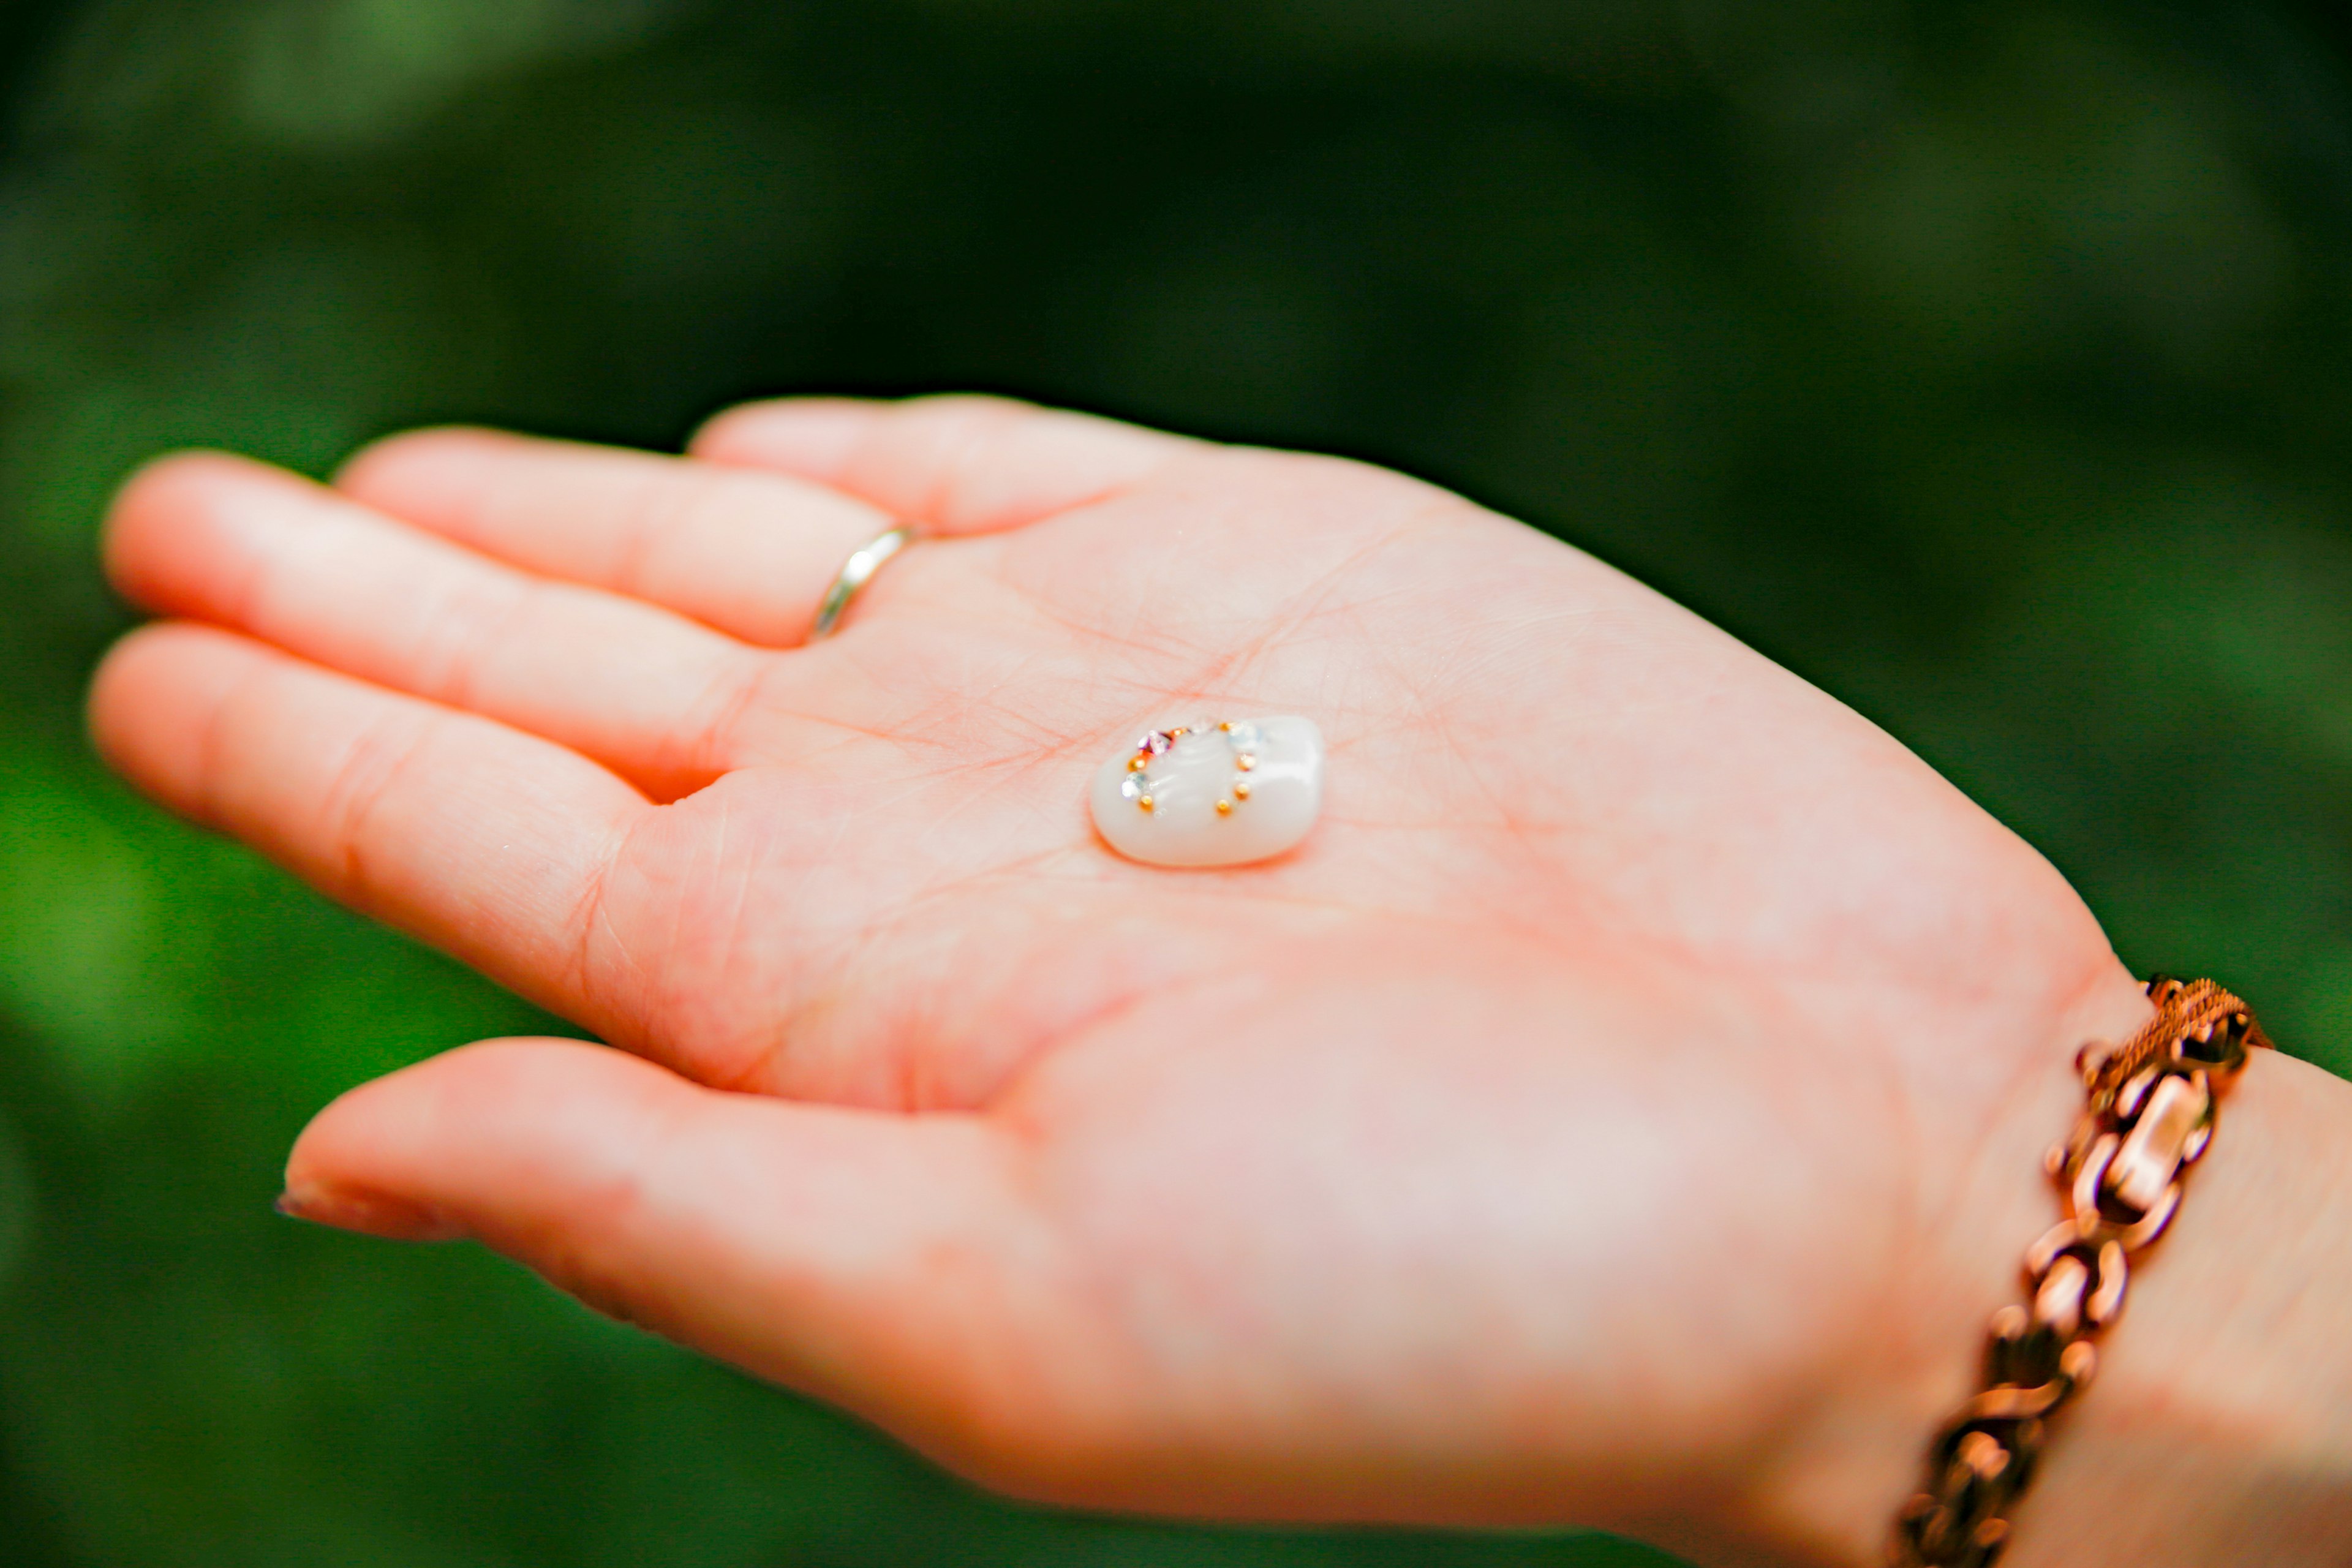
[[664, 702], [750, 553]]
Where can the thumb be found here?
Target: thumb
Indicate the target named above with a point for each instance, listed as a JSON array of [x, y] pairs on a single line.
[[865, 1256]]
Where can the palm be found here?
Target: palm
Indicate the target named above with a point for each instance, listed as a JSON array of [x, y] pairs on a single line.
[[1527, 1144]]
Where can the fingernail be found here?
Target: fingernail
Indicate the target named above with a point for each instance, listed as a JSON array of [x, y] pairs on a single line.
[[1211, 792], [370, 1215]]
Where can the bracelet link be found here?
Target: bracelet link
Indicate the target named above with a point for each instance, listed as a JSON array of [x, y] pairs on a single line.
[[2149, 1115]]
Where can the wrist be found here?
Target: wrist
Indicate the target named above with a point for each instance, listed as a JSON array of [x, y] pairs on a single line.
[[2221, 1416], [2220, 1427]]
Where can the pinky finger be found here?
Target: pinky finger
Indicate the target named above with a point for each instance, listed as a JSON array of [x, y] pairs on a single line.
[[948, 464]]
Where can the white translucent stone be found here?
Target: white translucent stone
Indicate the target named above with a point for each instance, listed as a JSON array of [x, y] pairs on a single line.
[[1183, 825]]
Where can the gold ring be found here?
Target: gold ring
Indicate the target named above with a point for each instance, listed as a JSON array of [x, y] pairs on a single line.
[[855, 574]]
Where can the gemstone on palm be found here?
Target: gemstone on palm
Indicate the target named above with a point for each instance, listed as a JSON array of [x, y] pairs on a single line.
[[1211, 792]]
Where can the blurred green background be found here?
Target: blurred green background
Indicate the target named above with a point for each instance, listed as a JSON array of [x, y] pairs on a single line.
[[1991, 364]]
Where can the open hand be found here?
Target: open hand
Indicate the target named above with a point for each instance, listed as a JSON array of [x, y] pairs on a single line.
[[1571, 1130]]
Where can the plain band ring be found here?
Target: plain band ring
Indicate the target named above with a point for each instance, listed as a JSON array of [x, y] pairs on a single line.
[[855, 574]]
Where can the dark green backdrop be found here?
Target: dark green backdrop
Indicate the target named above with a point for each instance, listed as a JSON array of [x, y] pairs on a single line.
[[1991, 364]]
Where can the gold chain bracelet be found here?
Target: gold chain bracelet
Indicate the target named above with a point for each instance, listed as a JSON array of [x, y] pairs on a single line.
[[2149, 1115]]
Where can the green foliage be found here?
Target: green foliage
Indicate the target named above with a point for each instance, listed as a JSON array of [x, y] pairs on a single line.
[[1990, 365]]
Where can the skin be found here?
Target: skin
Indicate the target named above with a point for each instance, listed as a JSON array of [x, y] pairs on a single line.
[[1624, 1108]]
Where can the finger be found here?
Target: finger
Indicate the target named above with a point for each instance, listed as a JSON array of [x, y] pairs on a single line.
[[489, 843], [257, 550], [952, 465], [750, 554], [868, 1257]]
